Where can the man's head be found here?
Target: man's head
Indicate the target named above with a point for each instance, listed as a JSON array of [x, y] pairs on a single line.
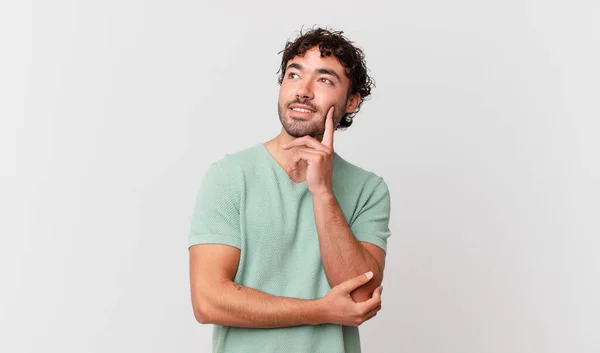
[[321, 69]]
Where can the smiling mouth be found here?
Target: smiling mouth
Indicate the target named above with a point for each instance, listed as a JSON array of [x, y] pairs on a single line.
[[302, 112]]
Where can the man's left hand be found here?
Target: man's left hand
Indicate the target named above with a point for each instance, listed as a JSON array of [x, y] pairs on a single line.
[[314, 161]]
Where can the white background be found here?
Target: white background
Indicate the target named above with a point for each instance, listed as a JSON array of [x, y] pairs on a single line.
[[484, 123]]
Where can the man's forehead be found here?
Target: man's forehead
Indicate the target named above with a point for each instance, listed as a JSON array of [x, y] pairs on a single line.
[[312, 62]]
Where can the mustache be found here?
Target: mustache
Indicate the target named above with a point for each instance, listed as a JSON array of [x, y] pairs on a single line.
[[305, 102]]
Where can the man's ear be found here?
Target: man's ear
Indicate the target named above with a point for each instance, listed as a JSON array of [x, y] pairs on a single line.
[[353, 102]]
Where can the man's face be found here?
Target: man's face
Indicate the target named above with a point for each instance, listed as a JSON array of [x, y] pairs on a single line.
[[311, 86]]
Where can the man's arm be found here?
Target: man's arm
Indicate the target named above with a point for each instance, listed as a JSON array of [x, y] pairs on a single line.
[[216, 299], [342, 254]]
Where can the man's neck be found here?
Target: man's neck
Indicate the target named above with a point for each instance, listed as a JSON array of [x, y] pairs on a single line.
[[283, 157]]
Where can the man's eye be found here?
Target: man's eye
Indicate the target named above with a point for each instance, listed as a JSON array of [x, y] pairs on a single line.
[[291, 74], [326, 80]]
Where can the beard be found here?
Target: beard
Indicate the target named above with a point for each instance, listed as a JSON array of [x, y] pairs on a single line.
[[315, 127]]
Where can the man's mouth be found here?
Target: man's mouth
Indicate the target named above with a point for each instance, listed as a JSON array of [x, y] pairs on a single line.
[[301, 110]]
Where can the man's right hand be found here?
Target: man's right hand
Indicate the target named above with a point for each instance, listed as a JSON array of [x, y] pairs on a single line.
[[339, 308]]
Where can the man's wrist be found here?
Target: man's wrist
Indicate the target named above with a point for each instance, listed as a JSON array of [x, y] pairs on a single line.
[[316, 312], [326, 196]]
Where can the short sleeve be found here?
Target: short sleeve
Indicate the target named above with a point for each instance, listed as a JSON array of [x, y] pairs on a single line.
[[216, 215], [371, 224]]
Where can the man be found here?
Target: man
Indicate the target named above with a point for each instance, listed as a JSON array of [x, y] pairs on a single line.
[[288, 240]]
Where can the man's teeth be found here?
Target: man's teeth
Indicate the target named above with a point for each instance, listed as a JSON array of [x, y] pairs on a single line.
[[302, 110]]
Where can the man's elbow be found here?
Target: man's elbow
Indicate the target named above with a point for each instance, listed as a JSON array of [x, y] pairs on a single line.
[[206, 302], [362, 294], [205, 307], [202, 312], [365, 292]]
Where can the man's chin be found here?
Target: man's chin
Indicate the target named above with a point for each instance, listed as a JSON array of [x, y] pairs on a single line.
[[299, 133], [298, 128], [296, 134]]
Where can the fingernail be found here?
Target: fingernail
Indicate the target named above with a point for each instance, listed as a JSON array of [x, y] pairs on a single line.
[[369, 274]]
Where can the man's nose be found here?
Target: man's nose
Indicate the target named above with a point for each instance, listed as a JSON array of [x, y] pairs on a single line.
[[304, 90]]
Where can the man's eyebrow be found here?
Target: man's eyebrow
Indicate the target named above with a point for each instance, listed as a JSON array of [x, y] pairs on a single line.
[[319, 70], [295, 66], [329, 72]]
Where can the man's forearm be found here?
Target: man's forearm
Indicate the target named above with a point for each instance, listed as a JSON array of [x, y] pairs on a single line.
[[342, 255], [232, 304]]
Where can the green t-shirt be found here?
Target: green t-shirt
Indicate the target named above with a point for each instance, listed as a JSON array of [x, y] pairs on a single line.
[[248, 201]]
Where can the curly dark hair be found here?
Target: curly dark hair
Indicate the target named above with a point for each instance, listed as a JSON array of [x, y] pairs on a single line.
[[332, 42]]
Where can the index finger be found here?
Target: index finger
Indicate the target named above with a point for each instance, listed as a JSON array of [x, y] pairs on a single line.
[[328, 135], [348, 286]]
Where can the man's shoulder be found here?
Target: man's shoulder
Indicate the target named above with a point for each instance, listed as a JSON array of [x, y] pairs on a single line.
[[349, 171], [238, 160]]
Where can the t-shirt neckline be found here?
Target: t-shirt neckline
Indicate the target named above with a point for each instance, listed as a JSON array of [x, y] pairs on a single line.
[[279, 168]]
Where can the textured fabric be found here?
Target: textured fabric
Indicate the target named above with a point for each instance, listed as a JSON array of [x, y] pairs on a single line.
[[248, 201]]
